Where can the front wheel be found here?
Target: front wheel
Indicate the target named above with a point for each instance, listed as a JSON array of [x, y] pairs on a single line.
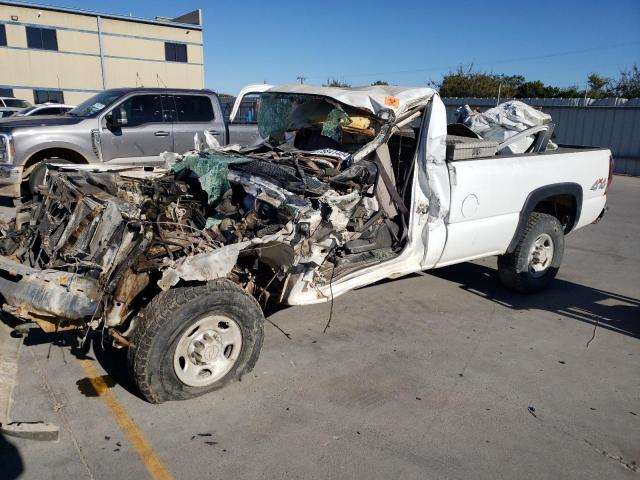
[[536, 259], [195, 339]]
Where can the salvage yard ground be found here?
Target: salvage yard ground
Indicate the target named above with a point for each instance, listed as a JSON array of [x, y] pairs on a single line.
[[441, 375]]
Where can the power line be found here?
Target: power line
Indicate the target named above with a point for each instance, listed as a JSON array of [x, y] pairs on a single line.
[[503, 61]]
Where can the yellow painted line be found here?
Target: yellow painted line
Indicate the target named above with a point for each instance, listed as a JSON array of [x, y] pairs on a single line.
[[142, 447]]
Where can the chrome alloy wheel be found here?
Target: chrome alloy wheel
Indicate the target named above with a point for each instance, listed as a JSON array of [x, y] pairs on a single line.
[[207, 350], [540, 255]]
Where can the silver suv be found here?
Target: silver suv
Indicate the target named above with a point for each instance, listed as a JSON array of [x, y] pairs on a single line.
[[125, 125]]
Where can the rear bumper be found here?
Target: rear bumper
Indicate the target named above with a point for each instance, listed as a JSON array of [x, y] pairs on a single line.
[[30, 293], [602, 213]]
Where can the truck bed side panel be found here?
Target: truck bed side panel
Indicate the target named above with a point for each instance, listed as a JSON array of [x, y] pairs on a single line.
[[487, 196]]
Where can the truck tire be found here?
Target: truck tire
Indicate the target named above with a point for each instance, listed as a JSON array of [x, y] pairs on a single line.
[[37, 175], [537, 257], [195, 339]]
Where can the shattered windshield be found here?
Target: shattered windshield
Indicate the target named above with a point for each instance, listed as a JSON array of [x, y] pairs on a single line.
[[310, 121], [96, 104]]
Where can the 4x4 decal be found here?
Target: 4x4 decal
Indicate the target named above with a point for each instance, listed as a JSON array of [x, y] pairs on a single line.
[[599, 184]]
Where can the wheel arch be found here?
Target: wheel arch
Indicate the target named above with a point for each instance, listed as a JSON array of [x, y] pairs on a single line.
[[562, 200], [61, 152]]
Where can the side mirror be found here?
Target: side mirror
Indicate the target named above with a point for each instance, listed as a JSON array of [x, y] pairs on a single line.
[[117, 118]]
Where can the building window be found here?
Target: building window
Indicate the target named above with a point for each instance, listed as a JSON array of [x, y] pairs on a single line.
[[42, 38], [44, 96], [6, 92], [175, 52], [3, 36]]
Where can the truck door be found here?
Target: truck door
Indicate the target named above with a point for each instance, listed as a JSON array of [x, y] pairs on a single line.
[[194, 114], [243, 127], [140, 136]]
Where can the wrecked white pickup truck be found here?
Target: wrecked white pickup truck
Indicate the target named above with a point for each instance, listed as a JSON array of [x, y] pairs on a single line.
[[351, 186]]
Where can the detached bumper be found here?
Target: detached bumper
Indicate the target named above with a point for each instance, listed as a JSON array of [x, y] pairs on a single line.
[[30, 292]]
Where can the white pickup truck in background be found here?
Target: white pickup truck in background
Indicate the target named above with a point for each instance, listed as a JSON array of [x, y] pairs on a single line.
[[351, 186]]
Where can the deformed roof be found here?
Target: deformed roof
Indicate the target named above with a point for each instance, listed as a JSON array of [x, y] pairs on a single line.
[[373, 98]]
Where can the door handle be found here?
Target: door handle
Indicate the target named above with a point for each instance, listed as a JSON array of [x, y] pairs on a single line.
[[214, 132], [161, 133]]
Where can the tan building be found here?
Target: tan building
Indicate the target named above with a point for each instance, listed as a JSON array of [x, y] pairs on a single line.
[[58, 54]]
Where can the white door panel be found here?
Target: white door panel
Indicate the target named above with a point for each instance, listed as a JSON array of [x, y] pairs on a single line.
[[468, 240]]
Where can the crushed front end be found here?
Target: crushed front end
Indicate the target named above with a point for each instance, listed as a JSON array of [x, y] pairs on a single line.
[[100, 243]]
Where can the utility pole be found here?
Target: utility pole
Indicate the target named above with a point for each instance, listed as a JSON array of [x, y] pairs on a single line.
[[301, 79]]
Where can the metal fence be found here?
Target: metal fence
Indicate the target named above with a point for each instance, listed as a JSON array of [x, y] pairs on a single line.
[[613, 123]]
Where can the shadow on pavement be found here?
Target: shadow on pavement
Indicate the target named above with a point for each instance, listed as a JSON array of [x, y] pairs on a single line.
[[69, 340], [11, 465], [112, 360], [620, 314], [608, 310]]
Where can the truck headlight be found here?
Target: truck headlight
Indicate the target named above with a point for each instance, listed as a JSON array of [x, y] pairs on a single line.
[[6, 148]]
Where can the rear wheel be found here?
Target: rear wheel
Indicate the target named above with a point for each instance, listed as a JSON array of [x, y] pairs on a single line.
[[193, 340], [536, 259]]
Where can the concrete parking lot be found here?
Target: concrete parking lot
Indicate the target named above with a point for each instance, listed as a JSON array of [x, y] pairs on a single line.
[[440, 375]]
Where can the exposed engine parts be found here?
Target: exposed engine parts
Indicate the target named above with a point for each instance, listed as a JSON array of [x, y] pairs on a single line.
[[305, 207]]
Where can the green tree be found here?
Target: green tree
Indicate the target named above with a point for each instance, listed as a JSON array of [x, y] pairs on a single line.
[[334, 82], [535, 89], [596, 85], [380, 82], [627, 85], [466, 82]]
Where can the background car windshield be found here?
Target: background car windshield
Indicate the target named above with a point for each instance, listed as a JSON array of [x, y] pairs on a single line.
[[95, 104], [16, 103]]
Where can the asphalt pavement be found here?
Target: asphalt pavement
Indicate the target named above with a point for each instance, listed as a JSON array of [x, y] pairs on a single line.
[[439, 375]]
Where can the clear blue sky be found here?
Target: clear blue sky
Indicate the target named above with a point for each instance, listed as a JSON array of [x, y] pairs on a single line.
[[404, 42]]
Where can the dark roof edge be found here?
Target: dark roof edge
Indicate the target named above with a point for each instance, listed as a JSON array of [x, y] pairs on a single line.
[[91, 13]]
